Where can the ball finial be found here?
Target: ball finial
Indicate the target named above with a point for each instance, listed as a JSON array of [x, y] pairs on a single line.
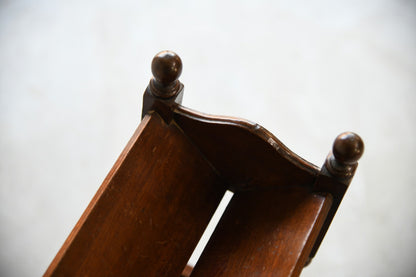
[[166, 67], [348, 148]]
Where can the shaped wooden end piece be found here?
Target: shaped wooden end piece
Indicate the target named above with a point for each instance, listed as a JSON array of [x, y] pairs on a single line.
[[166, 69], [347, 149]]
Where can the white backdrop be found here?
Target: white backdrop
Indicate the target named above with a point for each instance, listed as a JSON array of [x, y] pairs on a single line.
[[72, 76]]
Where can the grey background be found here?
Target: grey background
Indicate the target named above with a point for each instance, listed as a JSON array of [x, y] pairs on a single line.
[[72, 76]]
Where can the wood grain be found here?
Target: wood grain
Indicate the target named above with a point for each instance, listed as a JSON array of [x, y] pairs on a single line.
[[245, 154], [150, 211], [264, 233], [155, 203]]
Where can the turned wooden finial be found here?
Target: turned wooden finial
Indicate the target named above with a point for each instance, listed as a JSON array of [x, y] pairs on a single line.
[[166, 69], [347, 150]]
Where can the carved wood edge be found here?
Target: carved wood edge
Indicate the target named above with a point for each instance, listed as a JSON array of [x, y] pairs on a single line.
[[245, 154], [333, 178], [267, 138], [324, 181]]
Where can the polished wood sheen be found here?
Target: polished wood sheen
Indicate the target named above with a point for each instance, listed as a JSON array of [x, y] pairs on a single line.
[[265, 233], [247, 155], [348, 148], [336, 175], [154, 205], [166, 69], [149, 213]]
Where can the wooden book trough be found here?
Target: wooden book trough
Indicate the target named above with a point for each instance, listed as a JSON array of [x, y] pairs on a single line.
[[154, 205]]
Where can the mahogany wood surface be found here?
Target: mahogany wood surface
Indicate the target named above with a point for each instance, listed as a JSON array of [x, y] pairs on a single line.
[[187, 271], [265, 233], [150, 211], [247, 155], [154, 205], [336, 175]]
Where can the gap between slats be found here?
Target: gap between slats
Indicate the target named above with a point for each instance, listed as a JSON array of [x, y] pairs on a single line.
[[207, 233]]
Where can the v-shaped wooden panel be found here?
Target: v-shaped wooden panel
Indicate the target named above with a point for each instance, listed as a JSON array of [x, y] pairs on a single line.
[[154, 205]]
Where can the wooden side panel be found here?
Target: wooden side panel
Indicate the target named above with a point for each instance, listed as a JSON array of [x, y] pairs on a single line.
[[149, 213], [264, 233], [245, 154]]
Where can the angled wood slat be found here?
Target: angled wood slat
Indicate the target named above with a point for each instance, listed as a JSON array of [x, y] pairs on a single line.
[[265, 233], [149, 213]]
